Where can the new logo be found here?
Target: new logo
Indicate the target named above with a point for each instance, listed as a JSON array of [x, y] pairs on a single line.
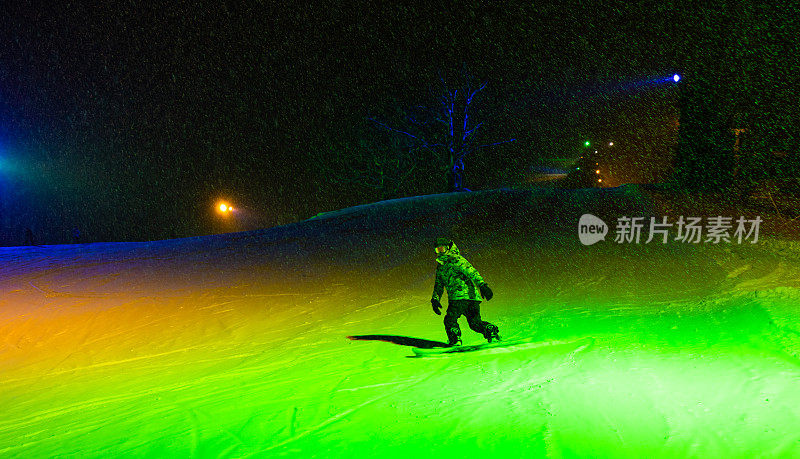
[[591, 229]]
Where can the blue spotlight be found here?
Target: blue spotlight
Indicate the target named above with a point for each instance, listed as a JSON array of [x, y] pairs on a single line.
[[676, 78]]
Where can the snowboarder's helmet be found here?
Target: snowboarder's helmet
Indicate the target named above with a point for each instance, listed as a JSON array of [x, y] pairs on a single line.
[[442, 242]]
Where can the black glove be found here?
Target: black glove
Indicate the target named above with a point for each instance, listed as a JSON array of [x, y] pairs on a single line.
[[486, 292], [437, 307]]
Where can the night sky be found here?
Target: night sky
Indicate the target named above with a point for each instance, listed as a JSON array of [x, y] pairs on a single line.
[[130, 120]]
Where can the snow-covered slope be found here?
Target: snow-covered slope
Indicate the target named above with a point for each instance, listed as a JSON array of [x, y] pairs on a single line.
[[236, 345]]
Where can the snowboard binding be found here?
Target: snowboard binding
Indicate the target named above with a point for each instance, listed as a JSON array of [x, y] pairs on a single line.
[[492, 333], [454, 337]]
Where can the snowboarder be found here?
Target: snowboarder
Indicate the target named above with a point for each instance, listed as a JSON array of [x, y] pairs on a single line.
[[465, 291]]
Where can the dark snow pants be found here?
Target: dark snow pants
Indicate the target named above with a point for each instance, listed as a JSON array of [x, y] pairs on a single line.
[[471, 309]]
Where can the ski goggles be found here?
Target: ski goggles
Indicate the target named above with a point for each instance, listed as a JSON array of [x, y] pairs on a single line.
[[441, 249]]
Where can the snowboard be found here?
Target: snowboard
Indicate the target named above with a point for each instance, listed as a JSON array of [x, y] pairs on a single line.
[[506, 345]]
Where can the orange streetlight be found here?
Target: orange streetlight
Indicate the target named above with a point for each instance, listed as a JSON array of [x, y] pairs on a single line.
[[224, 208]]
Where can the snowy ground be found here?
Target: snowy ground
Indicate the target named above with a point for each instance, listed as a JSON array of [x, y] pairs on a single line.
[[236, 345]]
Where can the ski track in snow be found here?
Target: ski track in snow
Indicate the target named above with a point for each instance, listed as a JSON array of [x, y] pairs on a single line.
[[180, 348]]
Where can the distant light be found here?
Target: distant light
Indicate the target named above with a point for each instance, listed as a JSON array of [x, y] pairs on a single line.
[[610, 144], [587, 143], [597, 171], [578, 168], [676, 78], [223, 208], [599, 180]]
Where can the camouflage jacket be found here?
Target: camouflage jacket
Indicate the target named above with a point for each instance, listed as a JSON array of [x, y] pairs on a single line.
[[457, 275]]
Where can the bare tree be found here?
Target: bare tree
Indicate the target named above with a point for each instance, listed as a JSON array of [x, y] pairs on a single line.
[[447, 127]]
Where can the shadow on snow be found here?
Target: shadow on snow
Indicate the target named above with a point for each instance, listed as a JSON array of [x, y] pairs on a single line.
[[401, 340]]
